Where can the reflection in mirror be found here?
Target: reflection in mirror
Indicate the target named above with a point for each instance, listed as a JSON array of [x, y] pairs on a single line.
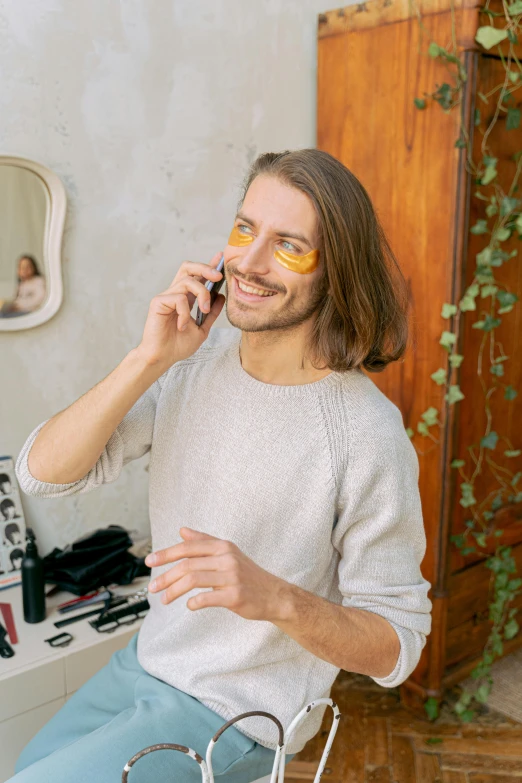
[[32, 211], [24, 204]]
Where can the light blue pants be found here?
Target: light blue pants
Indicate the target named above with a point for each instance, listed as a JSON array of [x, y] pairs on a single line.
[[122, 710]]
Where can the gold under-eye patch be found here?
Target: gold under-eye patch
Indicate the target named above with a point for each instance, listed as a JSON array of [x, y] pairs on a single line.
[[238, 239], [304, 265]]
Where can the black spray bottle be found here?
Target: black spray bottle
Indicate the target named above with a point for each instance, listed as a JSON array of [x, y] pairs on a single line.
[[33, 583]]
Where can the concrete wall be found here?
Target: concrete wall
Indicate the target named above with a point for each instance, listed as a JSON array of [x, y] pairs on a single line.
[[150, 112]]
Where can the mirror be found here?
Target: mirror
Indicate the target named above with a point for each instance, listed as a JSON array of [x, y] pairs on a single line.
[[32, 213]]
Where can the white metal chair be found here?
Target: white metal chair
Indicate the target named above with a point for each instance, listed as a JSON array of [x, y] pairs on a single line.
[[278, 770]]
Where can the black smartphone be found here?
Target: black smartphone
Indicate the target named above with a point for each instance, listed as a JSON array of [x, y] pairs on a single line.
[[214, 288]]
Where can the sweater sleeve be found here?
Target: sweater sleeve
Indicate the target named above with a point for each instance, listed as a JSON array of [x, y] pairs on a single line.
[[380, 536], [130, 440]]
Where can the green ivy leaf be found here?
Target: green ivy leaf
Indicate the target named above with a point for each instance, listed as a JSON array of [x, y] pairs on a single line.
[[513, 76], [489, 175], [468, 550], [431, 707], [439, 377], [511, 629], [508, 205], [456, 359], [457, 463], [515, 8], [510, 393], [488, 324], [409, 432], [420, 103], [480, 227], [443, 95], [518, 224], [467, 716], [482, 693], [433, 49], [477, 117], [506, 298], [481, 539], [488, 290], [467, 498], [488, 36], [513, 119], [467, 303], [459, 540], [516, 479], [484, 257], [502, 234], [433, 740], [422, 428], [512, 453], [461, 143], [454, 394], [430, 416], [491, 210], [448, 310], [447, 339], [489, 441]]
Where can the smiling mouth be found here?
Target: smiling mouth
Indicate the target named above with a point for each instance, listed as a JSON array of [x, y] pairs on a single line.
[[251, 293]]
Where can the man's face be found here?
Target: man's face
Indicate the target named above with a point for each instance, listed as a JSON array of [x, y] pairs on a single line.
[[5, 488], [10, 512], [16, 538], [277, 217]]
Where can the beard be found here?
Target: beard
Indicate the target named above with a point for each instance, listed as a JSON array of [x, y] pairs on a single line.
[[295, 313]]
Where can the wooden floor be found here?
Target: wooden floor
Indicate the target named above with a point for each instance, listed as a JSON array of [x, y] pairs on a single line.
[[378, 741]]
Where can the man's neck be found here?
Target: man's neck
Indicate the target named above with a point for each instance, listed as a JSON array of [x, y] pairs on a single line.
[[278, 358]]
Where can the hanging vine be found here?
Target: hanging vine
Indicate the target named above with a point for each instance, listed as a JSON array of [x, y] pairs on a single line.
[[487, 299]]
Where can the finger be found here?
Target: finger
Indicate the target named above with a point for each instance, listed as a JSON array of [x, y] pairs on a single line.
[[183, 310], [221, 597], [168, 303], [187, 566], [186, 549], [213, 314], [196, 269], [193, 289], [193, 581], [189, 534]]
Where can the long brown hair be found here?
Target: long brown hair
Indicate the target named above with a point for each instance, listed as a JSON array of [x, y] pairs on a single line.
[[363, 318]]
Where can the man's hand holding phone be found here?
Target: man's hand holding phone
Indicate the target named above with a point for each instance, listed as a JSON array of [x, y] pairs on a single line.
[[170, 333]]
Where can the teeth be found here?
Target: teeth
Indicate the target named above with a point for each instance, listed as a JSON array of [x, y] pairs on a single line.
[[257, 291]]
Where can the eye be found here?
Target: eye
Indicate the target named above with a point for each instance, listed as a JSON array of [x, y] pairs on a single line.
[[290, 247], [244, 229]]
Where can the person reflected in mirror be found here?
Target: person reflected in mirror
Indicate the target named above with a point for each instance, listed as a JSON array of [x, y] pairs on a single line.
[[31, 291], [16, 557], [6, 486], [8, 510]]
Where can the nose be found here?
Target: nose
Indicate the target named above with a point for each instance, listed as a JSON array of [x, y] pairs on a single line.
[[254, 259]]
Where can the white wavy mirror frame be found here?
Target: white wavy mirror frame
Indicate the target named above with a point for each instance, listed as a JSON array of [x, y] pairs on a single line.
[[32, 216]]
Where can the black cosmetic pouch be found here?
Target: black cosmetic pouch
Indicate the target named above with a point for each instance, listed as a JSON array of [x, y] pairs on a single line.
[[96, 560]]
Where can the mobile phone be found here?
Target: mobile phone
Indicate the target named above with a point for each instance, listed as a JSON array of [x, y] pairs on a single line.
[[214, 288]]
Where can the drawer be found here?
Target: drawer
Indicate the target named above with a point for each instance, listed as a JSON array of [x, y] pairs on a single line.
[[29, 688], [16, 732], [80, 666]]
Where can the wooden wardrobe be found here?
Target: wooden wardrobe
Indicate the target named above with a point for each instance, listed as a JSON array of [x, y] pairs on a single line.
[[372, 64]]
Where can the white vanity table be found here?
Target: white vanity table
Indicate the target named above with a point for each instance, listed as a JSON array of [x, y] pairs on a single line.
[[38, 679]]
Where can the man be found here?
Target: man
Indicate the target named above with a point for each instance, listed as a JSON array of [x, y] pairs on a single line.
[[284, 504]]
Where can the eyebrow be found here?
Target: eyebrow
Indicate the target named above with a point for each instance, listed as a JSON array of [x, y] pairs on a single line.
[[290, 234]]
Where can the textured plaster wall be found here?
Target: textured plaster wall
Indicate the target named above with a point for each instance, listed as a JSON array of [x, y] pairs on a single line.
[[150, 113]]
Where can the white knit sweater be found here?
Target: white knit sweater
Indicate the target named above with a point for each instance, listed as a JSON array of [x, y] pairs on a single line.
[[317, 483]]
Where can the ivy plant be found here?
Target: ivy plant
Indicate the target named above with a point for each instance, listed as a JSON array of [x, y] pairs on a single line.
[[486, 301]]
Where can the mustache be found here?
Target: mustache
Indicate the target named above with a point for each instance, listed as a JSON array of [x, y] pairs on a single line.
[[253, 280]]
